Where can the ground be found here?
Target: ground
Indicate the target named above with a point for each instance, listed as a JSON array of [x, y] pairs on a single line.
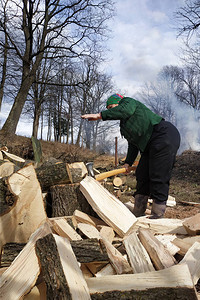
[[184, 186]]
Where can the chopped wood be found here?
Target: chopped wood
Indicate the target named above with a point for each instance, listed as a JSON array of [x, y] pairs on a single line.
[[52, 174], [105, 271], [9, 252], [172, 283], [22, 274], [159, 255], [138, 256], [192, 259], [66, 198], [86, 272], [107, 206], [119, 263], [161, 226], [18, 161], [185, 243], [89, 230], [78, 171], [77, 284], [167, 240], [7, 168], [28, 212], [192, 225], [89, 250], [62, 228], [95, 267], [107, 233], [82, 217], [56, 283], [117, 181], [67, 282], [38, 292]]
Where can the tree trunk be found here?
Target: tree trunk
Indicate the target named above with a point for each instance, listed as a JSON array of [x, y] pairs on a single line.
[[5, 54], [36, 119], [10, 125]]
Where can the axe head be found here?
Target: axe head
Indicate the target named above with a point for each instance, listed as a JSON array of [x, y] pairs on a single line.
[[89, 167]]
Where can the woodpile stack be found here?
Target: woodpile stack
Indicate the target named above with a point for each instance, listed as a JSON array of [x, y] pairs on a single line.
[[92, 246]]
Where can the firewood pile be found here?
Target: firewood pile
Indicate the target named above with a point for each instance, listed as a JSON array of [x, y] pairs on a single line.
[[90, 246]]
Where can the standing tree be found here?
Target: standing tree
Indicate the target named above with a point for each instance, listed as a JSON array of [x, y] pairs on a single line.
[[71, 26]]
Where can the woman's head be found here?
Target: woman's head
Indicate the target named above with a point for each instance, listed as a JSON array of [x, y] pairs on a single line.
[[113, 99]]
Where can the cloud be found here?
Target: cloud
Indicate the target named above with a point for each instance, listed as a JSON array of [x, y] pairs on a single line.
[[143, 40]]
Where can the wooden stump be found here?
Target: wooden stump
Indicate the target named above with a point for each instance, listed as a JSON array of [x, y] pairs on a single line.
[[66, 198]]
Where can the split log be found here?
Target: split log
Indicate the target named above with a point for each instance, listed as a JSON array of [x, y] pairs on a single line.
[[50, 174], [62, 228], [95, 267], [66, 198], [7, 168], [10, 252], [185, 243], [192, 259], [167, 241], [159, 255], [89, 230], [89, 250], [82, 217], [119, 263], [107, 233], [107, 206], [86, 272], [192, 225], [22, 274], [138, 256], [161, 226], [28, 212], [105, 271], [18, 161], [62, 274], [38, 292], [169, 284]]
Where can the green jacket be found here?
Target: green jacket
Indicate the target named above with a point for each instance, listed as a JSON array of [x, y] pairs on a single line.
[[136, 124]]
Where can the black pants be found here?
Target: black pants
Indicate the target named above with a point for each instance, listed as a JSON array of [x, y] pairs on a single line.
[[156, 163]]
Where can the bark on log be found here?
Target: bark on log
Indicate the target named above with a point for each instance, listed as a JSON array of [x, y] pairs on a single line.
[[169, 284], [89, 250], [7, 199], [57, 287], [9, 252], [51, 174], [66, 198]]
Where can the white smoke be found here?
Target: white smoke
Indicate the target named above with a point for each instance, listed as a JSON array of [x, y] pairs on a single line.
[[188, 123]]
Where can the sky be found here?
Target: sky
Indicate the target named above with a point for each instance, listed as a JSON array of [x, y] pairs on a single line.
[[144, 39]]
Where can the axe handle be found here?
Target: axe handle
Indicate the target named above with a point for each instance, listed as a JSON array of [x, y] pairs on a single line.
[[104, 175]]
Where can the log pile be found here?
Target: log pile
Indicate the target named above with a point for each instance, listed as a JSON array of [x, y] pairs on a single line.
[[94, 248]]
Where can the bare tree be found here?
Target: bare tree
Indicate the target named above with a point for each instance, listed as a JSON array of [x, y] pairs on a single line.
[[71, 26], [188, 18], [4, 47]]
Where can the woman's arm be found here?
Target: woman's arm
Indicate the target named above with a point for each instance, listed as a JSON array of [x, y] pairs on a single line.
[[92, 117]]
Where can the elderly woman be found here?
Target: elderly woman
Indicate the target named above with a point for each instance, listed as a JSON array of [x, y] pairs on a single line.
[[157, 141]]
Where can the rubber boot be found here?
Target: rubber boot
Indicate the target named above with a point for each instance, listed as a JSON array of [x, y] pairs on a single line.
[[140, 205], [158, 210]]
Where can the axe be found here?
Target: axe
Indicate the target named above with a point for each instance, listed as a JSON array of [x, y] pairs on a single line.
[[104, 175]]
